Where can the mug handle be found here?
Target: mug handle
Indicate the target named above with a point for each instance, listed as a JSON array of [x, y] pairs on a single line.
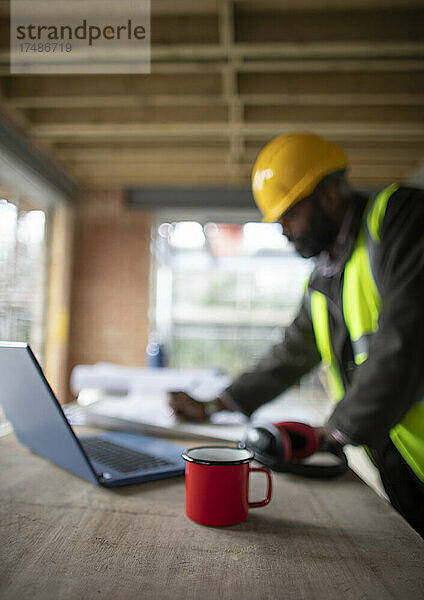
[[268, 493]]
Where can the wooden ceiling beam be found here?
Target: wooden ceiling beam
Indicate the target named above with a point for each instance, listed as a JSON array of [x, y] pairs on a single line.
[[323, 99], [292, 84], [342, 65], [331, 82], [158, 8], [348, 114], [205, 113], [319, 5], [385, 154], [200, 84], [128, 131], [132, 170], [330, 25], [353, 49], [161, 7], [277, 67], [115, 101], [396, 171], [211, 55], [119, 182], [171, 100], [155, 169], [141, 155], [184, 7], [364, 130], [364, 183], [161, 115], [194, 143]]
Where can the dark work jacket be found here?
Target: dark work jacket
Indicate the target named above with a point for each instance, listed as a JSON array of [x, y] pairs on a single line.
[[380, 391]]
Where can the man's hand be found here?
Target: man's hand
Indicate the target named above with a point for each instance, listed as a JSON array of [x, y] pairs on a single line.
[[327, 438], [186, 407]]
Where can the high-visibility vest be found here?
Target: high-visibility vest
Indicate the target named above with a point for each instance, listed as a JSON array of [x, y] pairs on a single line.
[[361, 309]]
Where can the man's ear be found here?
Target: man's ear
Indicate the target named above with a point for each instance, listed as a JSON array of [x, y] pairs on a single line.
[[330, 198], [332, 201]]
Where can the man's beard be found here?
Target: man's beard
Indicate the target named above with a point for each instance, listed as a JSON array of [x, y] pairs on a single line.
[[321, 234]]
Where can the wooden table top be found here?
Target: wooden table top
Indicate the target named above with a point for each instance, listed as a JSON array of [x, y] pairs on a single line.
[[64, 538]]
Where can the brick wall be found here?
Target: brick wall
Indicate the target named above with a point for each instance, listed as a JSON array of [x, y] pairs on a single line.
[[110, 281]]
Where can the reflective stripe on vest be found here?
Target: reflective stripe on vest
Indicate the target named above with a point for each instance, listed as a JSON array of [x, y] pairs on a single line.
[[361, 300], [408, 437], [361, 308], [319, 312]]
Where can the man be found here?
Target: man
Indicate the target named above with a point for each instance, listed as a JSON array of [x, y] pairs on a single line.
[[362, 313]]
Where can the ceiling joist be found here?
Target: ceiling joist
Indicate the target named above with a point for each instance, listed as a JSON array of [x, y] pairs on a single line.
[[227, 75]]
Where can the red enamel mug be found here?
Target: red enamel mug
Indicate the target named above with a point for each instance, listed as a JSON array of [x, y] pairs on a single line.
[[217, 485]]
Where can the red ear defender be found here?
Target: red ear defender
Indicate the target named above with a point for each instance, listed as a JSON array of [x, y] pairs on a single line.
[[283, 447], [304, 439], [271, 446]]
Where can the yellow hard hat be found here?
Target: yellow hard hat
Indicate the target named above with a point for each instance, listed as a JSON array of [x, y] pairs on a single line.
[[289, 168]]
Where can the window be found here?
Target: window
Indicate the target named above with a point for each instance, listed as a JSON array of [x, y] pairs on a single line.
[[224, 292], [22, 274], [22, 278]]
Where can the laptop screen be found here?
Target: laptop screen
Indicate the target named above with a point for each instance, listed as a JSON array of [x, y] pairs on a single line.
[[32, 408]]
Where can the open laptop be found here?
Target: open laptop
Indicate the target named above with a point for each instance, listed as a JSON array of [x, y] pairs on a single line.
[[111, 459]]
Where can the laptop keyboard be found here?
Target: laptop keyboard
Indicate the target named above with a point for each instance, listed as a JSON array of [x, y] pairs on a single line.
[[120, 458]]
